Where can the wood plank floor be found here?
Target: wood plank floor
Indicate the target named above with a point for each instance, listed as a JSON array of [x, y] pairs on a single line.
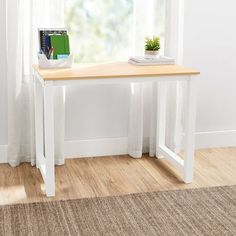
[[115, 175]]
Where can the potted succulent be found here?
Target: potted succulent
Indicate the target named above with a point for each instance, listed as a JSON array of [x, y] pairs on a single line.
[[152, 46]]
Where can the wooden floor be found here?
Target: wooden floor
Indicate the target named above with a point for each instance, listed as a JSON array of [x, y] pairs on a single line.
[[116, 175]]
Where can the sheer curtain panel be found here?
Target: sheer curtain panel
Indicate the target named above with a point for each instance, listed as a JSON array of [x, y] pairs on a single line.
[[163, 18], [23, 19]]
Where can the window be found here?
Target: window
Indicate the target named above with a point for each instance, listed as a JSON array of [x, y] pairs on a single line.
[[110, 30], [100, 30]]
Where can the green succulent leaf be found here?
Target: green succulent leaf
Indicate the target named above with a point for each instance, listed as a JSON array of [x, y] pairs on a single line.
[[152, 44]]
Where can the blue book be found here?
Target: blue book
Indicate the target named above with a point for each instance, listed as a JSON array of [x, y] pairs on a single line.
[[47, 43], [62, 56]]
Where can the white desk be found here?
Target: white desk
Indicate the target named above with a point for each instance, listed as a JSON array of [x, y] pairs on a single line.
[[114, 73]]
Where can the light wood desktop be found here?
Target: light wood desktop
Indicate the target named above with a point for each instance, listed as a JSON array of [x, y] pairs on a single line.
[[112, 73], [113, 70]]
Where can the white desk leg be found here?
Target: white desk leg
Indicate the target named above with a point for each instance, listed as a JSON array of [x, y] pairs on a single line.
[[38, 97], [49, 139], [161, 116], [190, 117]]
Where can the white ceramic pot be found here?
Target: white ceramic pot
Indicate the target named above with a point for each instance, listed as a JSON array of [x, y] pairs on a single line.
[[151, 54]]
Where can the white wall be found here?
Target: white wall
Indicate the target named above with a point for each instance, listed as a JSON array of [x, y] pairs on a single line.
[[96, 112], [210, 46]]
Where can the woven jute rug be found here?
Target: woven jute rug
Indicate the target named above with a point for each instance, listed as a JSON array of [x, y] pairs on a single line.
[[206, 211]]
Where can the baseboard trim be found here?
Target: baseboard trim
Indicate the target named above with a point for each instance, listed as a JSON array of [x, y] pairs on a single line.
[[96, 147], [214, 139], [118, 146]]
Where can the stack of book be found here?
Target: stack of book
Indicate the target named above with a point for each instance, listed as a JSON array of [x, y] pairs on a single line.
[[54, 49], [54, 43], [143, 61]]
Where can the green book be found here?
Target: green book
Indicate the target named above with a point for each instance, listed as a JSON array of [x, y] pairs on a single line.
[[60, 43]]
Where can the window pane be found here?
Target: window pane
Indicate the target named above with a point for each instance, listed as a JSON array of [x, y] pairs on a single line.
[[149, 20], [100, 30]]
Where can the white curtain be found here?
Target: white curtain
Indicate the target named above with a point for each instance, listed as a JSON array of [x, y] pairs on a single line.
[[158, 17], [24, 17]]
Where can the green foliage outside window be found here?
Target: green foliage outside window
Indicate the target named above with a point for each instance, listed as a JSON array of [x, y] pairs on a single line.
[[100, 30]]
